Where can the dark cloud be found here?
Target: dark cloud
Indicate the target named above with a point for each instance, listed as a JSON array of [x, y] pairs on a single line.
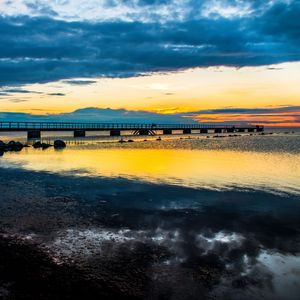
[[92, 114], [56, 94], [17, 100], [79, 82], [99, 115], [18, 91], [258, 111], [43, 49]]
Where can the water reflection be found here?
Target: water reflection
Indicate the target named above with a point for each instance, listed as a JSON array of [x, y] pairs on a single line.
[[175, 219], [183, 243], [214, 169]]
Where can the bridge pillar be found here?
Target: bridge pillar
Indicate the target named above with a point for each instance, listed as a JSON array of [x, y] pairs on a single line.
[[218, 130], [232, 129], [203, 130], [250, 129], [143, 132], [115, 132], [187, 131], [79, 133], [259, 128], [33, 134], [167, 131], [241, 130]]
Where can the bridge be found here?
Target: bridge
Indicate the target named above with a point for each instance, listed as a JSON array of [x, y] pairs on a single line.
[[34, 129]]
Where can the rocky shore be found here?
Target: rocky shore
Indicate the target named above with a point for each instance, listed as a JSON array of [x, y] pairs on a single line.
[[29, 273], [18, 146]]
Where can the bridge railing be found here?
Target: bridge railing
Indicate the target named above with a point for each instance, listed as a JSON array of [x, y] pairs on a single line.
[[102, 126]]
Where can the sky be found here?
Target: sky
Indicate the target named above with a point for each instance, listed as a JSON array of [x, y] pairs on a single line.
[[224, 61]]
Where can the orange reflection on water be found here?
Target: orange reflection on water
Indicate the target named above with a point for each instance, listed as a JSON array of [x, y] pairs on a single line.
[[197, 168]]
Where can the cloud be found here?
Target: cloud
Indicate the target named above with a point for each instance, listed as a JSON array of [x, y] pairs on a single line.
[[20, 91], [16, 100], [268, 116], [134, 10], [17, 91], [7, 92], [258, 111], [92, 114], [56, 94], [41, 47], [79, 82], [283, 115], [10, 93]]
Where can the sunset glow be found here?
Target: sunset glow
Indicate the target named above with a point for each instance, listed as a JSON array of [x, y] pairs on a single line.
[[191, 91]]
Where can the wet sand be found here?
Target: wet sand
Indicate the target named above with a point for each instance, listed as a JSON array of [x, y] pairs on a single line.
[[65, 237]]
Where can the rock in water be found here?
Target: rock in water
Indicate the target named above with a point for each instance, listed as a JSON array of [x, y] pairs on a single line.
[[37, 144], [10, 145], [45, 145], [18, 146], [14, 146], [58, 144]]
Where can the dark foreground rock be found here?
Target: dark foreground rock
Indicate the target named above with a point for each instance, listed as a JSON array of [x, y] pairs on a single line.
[[28, 273]]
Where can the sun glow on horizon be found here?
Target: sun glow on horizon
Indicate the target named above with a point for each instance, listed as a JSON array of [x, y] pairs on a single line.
[[170, 93]]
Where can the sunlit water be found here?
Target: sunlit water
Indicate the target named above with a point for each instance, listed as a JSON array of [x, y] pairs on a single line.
[[269, 162]]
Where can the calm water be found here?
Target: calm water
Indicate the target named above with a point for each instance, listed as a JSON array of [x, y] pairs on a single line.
[[228, 207], [270, 163]]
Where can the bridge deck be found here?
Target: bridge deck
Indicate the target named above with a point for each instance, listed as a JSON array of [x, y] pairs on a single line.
[[69, 126]]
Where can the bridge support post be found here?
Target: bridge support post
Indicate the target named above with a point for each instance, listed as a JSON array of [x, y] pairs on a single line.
[[115, 132], [218, 130], [232, 129], [187, 131], [203, 130], [241, 130], [167, 131], [33, 134], [143, 132], [79, 133], [250, 129]]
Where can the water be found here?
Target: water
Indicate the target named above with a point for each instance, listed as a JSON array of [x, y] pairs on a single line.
[[269, 162], [214, 217]]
